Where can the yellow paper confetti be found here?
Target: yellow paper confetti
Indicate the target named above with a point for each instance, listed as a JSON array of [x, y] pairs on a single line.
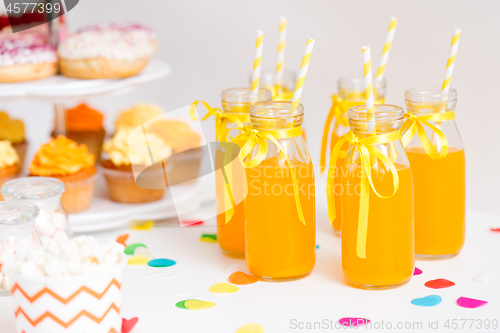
[[208, 240], [143, 225], [198, 305], [251, 328], [138, 260], [223, 288]]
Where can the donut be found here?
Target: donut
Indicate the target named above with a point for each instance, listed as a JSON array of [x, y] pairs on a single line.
[[21, 60], [107, 51]]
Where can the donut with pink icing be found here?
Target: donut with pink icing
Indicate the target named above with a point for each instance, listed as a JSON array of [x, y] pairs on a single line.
[[22, 60], [107, 51]]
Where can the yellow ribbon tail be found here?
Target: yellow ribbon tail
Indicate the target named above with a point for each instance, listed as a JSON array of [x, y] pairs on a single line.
[[326, 134], [364, 203], [330, 180]]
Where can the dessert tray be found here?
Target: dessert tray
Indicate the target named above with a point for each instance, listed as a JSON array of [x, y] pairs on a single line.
[[105, 214], [59, 88]]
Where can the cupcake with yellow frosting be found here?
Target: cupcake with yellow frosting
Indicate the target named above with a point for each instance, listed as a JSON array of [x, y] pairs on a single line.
[[13, 130], [137, 115], [9, 162], [130, 171], [85, 125], [71, 163]]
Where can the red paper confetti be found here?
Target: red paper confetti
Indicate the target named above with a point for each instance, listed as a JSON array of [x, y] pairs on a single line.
[[128, 325], [122, 239], [439, 284], [470, 303], [241, 278], [353, 322], [495, 229], [190, 223], [417, 271]]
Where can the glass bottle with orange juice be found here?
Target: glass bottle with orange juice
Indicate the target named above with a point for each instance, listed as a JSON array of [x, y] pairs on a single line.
[[231, 235], [351, 92], [280, 205], [438, 170], [377, 215]]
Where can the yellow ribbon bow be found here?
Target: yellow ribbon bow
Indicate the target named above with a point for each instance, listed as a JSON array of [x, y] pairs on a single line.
[[417, 123], [250, 138], [221, 118], [337, 112], [366, 149]]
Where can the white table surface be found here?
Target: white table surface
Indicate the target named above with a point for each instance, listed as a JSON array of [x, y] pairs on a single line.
[[323, 295]]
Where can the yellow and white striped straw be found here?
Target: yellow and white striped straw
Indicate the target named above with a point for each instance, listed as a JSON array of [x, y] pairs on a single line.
[[387, 48], [367, 70], [297, 93], [450, 64], [281, 49], [256, 62]]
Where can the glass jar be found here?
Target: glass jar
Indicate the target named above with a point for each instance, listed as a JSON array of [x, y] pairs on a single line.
[[45, 192], [377, 227], [280, 244], [351, 92], [281, 91], [231, 235], [439, 181], [17, 234]]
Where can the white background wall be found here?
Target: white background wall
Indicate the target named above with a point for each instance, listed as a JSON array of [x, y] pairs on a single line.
[[209, 45]]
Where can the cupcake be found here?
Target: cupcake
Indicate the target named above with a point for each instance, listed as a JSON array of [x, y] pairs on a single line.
[[71, 163], [107, 51], [13, 130], [67, 279], [185, 142], [129, 156], [138, 115], [9, 162], [84, 125]]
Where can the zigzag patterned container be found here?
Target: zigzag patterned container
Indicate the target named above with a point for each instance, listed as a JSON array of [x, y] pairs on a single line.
[[81, 304]]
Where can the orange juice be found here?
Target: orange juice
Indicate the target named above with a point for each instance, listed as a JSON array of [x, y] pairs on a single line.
[[389, 247], [338, 131], [439, 202], [278, 245]]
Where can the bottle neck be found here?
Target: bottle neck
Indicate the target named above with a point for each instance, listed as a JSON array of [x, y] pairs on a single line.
[[275, 116]]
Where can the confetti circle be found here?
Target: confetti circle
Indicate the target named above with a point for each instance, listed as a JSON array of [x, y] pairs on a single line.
[[430, 300], [223, 288], [241, 278], [138, 260], [439, 284], [251, 328], [195, 304], [131, 248], [161, 262], [470, 303]]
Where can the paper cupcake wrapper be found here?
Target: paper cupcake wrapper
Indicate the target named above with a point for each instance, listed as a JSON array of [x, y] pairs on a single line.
[[89, 303], [78, 194], [123, 188], [185, 166]]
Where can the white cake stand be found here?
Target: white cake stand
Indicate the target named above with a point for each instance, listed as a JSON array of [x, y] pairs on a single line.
[[103, 213]]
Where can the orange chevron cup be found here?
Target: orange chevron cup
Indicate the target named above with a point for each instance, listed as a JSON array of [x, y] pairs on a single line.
[[80, 303]]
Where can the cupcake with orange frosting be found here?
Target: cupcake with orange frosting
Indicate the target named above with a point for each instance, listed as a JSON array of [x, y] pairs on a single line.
[[9, 162], [71, 163], [84, 125], [134, 168], [13, 130]]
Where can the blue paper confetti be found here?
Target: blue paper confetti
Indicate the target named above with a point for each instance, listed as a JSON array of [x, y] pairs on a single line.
[[430, 300]]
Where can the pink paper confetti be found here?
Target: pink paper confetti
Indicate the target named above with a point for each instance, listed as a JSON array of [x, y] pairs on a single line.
[[495, 229], [417, 271], [190, 223], [128, 325], [470, 303], [352, 322]]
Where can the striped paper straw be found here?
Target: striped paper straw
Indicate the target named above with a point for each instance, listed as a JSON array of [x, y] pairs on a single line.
[[297, 93], [256, 62], [450, 64], [367, 70], [387, 48], [281, 49]]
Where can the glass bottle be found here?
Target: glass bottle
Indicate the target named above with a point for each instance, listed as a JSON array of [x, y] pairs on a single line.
[[351, 92], [45, 192], [17, 234], [439, 183], [281, 91], [386, 259], [279, 246], [231, 236]]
